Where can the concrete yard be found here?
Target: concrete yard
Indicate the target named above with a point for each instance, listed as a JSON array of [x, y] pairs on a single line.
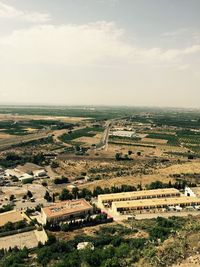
[[27, 239]]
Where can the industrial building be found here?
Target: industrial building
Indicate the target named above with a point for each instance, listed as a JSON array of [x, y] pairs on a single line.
[[107, 199], [66, 210], [156, 204]]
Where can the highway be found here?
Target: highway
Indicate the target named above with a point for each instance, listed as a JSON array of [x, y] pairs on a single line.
[[103, 144]]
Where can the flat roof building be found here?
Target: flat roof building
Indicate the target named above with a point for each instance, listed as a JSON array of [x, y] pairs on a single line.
[[107, 199], [137, 206], [66, 210]]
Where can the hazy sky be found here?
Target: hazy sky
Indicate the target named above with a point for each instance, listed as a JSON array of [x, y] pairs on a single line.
[[117, 52]]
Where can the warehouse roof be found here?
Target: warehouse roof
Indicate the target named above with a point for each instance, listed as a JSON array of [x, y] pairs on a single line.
[[136, 194], [156, 202], [67, 207]]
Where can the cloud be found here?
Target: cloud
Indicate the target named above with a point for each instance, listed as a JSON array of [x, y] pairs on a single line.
[[101, 43], [10, 12]]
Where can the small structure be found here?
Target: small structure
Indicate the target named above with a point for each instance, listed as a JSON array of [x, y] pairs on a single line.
[[39, 173], [66, 211], [85, 245], [192, 191]]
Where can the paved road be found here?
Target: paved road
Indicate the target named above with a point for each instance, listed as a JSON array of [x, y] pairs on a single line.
[[103, 144]]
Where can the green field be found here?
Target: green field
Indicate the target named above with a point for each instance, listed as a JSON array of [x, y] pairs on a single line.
[[20, 128], [87, 132]]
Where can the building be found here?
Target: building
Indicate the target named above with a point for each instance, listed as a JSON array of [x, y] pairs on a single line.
[[156, 205], [39, 173], [32, 169], [11, 216], [21, 176], [128, 134], [29, 168], [107, 199], [66, 210], [192, 191]]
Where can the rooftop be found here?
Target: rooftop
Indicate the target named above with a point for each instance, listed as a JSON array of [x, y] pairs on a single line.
[[142, 193], [156, 202], [66, 207], [10, 216]]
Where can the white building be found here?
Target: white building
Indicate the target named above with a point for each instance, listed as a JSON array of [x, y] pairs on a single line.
[[39, 173], [192, 191], [128, 134], [18, 174]]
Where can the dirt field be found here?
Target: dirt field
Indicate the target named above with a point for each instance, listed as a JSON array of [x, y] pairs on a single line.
[[83, 231], [36, 117], [128, 180], [89, 140], [189, 167], [5, 136], [154, 141], [27, 239], [192, 261]]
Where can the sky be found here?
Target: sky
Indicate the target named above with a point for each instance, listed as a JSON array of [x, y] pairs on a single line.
[[100, 52]]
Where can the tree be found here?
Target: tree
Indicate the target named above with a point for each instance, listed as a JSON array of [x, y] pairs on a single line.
[[29, 194], [65, 194], [75, 191], [118, 156], [47, 197], [12, 197], [54, 164]]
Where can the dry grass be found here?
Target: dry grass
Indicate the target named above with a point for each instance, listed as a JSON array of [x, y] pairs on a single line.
[[38, 117], [188, 167], [154, 141], [128, 180]]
